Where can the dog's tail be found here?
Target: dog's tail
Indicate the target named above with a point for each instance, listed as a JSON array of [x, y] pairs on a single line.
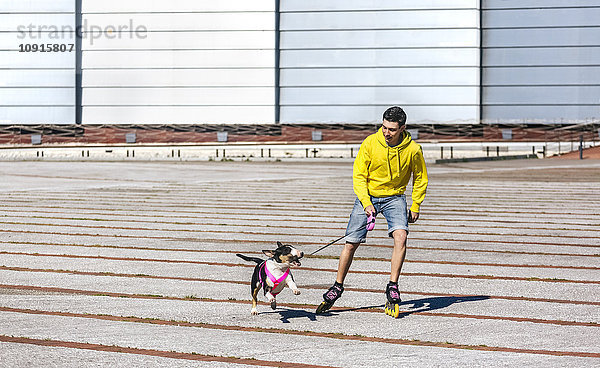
[[250, 259]]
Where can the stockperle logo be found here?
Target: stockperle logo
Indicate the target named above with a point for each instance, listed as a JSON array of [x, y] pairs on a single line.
[[86, 31]]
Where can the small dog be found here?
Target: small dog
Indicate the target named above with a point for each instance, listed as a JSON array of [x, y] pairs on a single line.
[[273, 274]]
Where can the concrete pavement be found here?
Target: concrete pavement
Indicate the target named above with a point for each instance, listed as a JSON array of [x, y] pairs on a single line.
[[133, 263]]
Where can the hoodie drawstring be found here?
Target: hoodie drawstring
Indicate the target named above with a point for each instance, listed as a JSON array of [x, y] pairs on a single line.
[[404, 142], [389, 161]]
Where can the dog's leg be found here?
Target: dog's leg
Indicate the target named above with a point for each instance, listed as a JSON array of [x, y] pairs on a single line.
[[272, 300], [254, 311], [292, 285]]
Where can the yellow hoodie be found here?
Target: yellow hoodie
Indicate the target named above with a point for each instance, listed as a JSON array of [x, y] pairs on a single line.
[[383, 171]]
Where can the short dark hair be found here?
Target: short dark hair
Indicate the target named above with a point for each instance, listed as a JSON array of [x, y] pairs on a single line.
[[395, 114]]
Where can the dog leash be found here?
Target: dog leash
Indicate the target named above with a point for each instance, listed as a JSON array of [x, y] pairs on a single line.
[[369, 225]]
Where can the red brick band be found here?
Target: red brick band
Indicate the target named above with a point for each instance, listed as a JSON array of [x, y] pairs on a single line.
[[155, 353], [276, 331]]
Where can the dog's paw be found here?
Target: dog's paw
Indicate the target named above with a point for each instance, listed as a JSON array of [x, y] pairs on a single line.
[[296, 292], [273, 304], [254, 312]]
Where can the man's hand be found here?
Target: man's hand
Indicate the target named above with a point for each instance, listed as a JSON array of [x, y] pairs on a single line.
[[413, 216], [370, 210]]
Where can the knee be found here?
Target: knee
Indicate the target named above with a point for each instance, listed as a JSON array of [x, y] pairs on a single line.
[[351, 247], [400, 237]]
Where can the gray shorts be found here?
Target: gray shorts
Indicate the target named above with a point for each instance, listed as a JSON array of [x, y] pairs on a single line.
[[393, 209]]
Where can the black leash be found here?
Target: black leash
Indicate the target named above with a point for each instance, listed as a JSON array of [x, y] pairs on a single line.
[[340, 238], [410, 220], [333, 242]]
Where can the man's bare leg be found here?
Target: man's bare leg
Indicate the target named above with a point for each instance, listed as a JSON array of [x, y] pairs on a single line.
[[345, 261], [398, 255]]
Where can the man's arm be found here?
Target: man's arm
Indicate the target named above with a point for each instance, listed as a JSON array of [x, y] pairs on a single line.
[[360, 174], [420, 181]]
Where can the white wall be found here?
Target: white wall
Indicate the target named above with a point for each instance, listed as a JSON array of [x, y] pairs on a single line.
[[541, 60], [36, 87], [346, 62], [206, 61], [198, 62]]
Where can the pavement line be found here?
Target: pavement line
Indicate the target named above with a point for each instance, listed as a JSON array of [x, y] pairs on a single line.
[[313, 219], [268, 241], [298, 205], [284, 332], [464, 209], [307, 306], [218, 221], [155, 353], [319, 287], [202, 193], [295, 228], [183, 250], [363, 245], [437, 207], [414, 274]]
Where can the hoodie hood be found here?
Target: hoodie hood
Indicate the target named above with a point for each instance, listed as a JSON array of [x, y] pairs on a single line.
[[404, 141], [393, 153]]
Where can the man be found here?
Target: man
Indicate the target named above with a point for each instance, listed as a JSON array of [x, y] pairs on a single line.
[[382, 170]]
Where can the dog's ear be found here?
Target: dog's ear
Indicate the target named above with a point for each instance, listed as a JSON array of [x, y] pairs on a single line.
[[279, 244], [269, 253]]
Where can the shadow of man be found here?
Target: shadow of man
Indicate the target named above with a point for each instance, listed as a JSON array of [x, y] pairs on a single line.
[[435, 303], [419, 305]]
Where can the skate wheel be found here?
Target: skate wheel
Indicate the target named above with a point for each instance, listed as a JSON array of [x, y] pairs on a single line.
[[392, 310], [396, 311], [323, 307]]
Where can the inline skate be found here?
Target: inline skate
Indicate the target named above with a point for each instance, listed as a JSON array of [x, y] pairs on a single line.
[[392, 305], [330, 297]]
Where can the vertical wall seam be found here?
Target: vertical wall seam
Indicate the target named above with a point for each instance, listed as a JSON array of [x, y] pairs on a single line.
[[78, 62], [481, 61], [277, 62]]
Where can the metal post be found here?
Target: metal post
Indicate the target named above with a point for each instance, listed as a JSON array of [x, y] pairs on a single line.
[[581, 147]]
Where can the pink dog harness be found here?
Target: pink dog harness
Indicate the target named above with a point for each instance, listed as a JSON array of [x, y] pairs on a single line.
[[275, 281]]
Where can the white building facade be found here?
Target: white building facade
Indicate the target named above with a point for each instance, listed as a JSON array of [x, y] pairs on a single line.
[[298, 61]]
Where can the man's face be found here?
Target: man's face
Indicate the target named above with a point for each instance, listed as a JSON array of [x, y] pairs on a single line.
[[392, 132]]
